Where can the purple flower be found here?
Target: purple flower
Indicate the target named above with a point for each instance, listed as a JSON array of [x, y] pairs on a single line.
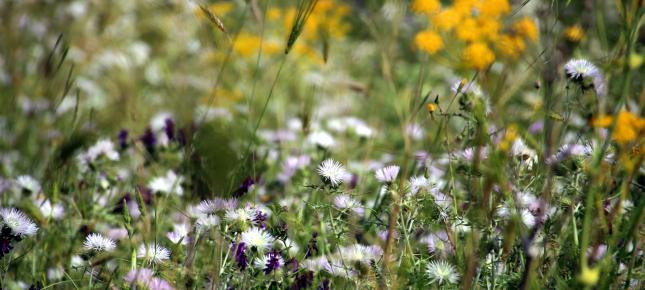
[[273, 263], [304, 280], [260, 219], [149, 140], [170, 128], [240, 256], [123, 138], [244, 187]]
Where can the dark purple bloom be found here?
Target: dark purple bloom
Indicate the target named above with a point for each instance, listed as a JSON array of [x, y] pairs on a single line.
[[149, 140], [273, 263], [260, 219], [244, 187], [303, 280], [324, 285], [5, 241], [170, 128], [123, 138], [240, 256]]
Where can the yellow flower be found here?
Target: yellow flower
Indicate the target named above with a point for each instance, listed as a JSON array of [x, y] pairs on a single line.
[[509, 137], [431, 107], [526, 27], [510, 46], [446, 19], [221, 8], [478, 56], [494, 8], [429, 41], [274, 14], [588, 276], [574, 33], [426, 6], [468, 30], [629, 127]]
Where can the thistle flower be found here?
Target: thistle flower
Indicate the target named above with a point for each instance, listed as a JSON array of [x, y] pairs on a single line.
[[321, 139], [153, 253], [418, 183], [258, 238], [240, 255], [55, 211], [586, 74], [206, 222], [103, 147], [28, 183], [332, 172], [442, 272], [98, 243], [270, 262], [212, 206], [240, 215], [360, 253], [18, 222], [345, 201], [171, 183], [387, 174]]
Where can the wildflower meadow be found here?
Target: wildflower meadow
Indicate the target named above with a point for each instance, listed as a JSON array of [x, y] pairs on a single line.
[[322, 144]]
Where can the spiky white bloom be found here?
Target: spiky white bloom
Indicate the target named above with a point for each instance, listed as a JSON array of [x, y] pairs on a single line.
[[28, 183], [418, 183], [55, 211], [180, 233], [442, 272], [387, 174], [321, 139], [288, 244], [153, 253], [18, 222], [212, 206], [258, 238], [171, 183], [579, 70], [332, 171], [345, 201], [415, 131], [241, 215], [464, 87], [103, 147], [528, 218], [98, 243], [338, 268], [360, 253], [526, 155], [206, 222]]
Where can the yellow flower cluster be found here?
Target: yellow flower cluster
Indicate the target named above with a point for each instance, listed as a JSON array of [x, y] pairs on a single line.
[[629, 127], [478, 26], [574, 33]]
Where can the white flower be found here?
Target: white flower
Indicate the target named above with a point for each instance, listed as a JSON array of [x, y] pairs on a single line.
[[171, 183], [415, 131], [442, 272], [98, 243], [360, 253], [103, 147], [387, 174], [258, 238], [321, 139], [153, 253], [18, 222], [211, 206], [332, 171], [418, 183], [292, 247], [241, 215], [206, 222], [55, 211], [527, 155], [345, 201], [579, 70], [26, 182]]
